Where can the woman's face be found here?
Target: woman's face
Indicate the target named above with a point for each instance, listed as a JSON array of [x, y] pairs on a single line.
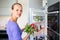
[[17, 11]]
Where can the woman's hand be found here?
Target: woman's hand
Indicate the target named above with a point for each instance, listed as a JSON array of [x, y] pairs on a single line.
[[26, 37], [39, 32]]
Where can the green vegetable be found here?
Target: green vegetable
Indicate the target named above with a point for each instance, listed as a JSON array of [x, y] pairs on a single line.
[[28, 29]]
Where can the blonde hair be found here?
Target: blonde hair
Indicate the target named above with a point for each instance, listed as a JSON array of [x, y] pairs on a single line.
[[15, 4]]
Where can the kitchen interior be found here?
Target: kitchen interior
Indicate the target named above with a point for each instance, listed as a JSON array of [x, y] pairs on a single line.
[[47, 10]]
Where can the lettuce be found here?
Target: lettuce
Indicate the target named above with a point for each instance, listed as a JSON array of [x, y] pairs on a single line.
[[29, 30]]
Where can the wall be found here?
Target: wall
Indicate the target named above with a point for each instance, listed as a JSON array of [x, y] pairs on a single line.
[[5, 6]]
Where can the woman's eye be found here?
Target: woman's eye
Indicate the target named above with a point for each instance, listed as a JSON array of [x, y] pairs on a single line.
[[20, 10], [16, 10]]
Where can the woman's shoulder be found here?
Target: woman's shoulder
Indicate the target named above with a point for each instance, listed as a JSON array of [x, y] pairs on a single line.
[[11, 24]]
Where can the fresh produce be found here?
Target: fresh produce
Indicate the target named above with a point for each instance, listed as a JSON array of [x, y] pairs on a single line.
[[30, 28], [34, 26], [38, 18]]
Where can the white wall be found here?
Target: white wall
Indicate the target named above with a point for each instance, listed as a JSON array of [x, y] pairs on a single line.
[[5, 6]]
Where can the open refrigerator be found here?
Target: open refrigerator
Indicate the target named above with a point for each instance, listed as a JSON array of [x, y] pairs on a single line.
[[39, 17]]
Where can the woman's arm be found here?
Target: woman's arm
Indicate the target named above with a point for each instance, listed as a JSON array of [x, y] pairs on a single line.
[[39, 32], [26, 37]]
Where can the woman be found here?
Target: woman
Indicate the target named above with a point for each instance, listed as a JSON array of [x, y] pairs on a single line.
[[13, 30]]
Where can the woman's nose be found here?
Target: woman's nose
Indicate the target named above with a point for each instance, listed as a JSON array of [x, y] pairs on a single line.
[[18, 11]]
